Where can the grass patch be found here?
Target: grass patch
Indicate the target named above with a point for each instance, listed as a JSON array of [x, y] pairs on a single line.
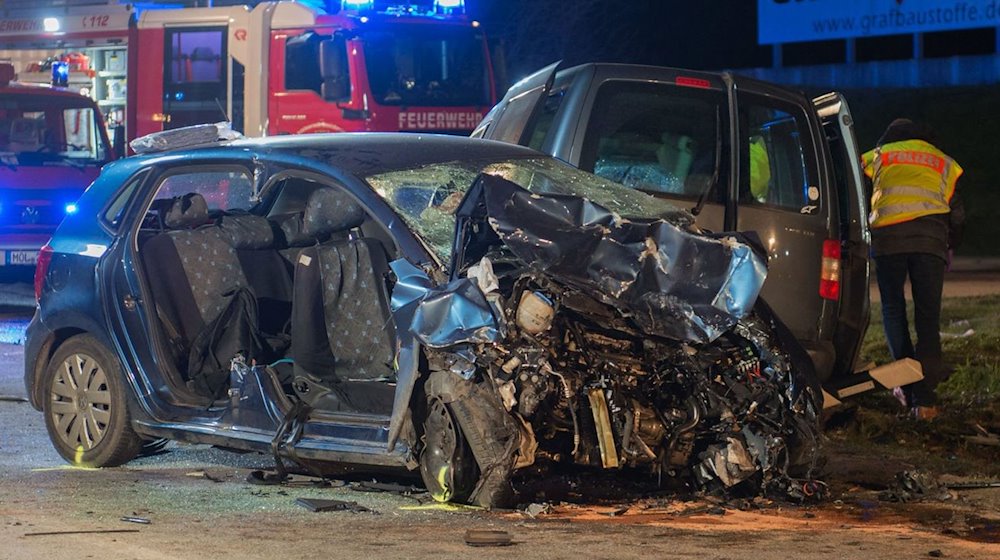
[[974, 359]]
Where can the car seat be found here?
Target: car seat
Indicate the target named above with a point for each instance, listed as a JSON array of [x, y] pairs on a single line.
[[343, 338]]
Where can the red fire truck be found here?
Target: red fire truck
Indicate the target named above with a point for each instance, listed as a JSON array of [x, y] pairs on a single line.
[[275, 68]]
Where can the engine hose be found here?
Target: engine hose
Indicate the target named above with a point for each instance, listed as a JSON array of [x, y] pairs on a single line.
[[572, 409]]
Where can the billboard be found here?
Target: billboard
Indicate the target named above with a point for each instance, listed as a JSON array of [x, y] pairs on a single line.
[[789, 21]]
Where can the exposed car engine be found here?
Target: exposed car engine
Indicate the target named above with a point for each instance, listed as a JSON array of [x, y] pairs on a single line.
[[591, 389]]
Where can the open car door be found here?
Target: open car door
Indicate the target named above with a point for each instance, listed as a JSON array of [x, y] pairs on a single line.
[[855, 243], [507, 121]]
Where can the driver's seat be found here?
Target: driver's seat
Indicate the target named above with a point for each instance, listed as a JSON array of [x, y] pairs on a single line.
[[342, 332]]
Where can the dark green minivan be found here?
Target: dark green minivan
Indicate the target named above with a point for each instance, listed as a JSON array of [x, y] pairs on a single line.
[[742, 155]]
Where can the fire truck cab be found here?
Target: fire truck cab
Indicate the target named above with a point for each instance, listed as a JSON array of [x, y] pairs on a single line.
[[286, 68], [274, 68]]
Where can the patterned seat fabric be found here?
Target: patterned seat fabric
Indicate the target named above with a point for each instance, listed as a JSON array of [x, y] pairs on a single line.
[[341, 327], [191, 272]]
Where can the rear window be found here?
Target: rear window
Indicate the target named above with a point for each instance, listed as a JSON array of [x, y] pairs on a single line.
[[223, 189], [658, 138]]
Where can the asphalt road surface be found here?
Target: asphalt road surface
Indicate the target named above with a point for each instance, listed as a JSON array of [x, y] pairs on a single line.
[[198, 505]]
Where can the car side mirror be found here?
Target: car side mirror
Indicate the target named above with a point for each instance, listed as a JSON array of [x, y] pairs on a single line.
[[334, 70]]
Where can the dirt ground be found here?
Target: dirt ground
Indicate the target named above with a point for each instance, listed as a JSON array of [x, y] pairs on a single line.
[[198, 505]]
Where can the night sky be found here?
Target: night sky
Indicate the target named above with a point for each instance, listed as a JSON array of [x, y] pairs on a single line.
[[703, 34]]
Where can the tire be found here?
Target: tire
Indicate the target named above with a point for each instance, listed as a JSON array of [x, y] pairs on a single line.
[[85, 405], [447, 466]]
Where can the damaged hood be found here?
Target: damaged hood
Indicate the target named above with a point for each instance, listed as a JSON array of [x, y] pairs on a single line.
[[672, 280]]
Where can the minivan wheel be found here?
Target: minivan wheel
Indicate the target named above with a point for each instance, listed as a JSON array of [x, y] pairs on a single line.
[[447, 466], [85, 407]]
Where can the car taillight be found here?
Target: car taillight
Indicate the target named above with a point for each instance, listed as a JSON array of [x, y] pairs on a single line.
[[829, 275], [41, 268]]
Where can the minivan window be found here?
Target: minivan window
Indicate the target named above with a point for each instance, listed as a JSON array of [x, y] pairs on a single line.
[[774, 164], [538, 129], [658, 138], [223, 189]]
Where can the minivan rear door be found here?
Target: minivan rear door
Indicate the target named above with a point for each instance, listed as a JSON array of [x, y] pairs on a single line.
[[855, 238]]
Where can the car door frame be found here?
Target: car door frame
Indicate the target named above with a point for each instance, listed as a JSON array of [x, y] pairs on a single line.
[[855, 295]]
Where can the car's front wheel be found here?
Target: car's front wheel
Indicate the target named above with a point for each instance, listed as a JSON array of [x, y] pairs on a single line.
[[446, 463], [85, 406]]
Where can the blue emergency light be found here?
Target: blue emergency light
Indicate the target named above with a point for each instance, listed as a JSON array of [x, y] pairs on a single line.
[[60, 74], [449, 7], [358, 4]]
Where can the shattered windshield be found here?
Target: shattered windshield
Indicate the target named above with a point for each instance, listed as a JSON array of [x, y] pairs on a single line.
[[411, 65], [50, 130], [427, 197]]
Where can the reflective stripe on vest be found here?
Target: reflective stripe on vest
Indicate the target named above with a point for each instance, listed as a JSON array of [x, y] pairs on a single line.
[[911, 179]]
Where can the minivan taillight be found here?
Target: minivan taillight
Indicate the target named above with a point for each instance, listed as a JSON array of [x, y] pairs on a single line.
[[829, 275], [41, 268]]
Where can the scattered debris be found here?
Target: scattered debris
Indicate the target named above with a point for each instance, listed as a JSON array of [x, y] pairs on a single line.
[[993, 441], [374, 486], [203, 474], [90, 532], [133, 519], [708, 509], [535, 509], [914, 485], [487, 537], [966, 334], [975, 485], [264, 478], [616, 512], [935, 554], [317, 505], [13, 398]]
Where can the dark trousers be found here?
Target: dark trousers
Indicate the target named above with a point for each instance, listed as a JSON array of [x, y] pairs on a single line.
[[926, 273]]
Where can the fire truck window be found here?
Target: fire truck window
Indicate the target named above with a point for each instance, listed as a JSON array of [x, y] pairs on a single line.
[[658, 138], [48, 131], [195, 76], [302, 70], [414, 66]]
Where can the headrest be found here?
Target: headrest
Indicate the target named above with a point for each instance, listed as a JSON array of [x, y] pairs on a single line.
[[186, 211], [292, 229], [329, 211], [247, 231]]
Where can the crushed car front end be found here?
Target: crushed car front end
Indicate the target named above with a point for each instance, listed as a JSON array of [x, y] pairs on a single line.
[[588, 324]]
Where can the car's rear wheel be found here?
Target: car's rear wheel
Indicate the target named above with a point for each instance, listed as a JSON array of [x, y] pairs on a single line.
[[447, 466], [85, 406]]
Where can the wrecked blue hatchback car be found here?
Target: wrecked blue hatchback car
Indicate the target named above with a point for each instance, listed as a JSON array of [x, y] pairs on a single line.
[[472, 310]]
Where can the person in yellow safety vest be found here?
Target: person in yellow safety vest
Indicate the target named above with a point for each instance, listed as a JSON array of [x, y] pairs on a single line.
[[916, 220], [760, 169]]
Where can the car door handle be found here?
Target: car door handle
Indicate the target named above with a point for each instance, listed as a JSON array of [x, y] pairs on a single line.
[[130, 302]]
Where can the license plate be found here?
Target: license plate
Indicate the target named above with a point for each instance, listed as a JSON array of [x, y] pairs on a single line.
[[21, 258]]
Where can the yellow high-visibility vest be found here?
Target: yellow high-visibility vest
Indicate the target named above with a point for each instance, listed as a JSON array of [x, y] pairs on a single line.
[[911, 179]]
